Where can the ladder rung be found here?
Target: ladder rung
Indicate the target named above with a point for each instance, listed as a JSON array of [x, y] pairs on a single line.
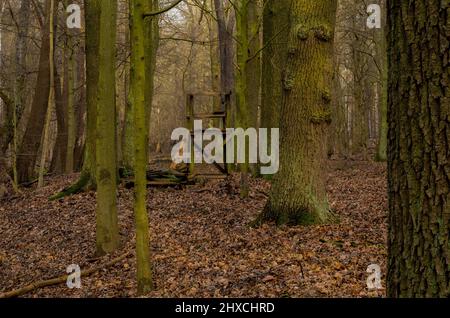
[[207, 116]]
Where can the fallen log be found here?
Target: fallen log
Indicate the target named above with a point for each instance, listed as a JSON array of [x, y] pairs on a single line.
[[59, 280]]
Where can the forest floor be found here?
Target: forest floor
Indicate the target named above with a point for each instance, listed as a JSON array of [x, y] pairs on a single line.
[[201, 243]]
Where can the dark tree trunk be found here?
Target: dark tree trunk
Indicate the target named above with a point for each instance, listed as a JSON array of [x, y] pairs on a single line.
[[418, 148]]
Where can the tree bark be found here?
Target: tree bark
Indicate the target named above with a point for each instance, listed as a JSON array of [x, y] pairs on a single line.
[[138, 86], [418, 145], [298, 193], [381, 154], [275, 38], [105, 135], [92, 18]]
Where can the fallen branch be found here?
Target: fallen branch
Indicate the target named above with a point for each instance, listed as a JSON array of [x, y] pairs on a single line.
[[59, 280]]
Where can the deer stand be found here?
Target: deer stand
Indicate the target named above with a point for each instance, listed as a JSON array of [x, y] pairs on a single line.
[[220, 116]]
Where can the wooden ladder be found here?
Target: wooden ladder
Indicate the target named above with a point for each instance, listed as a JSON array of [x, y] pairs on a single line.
[[222, 115]]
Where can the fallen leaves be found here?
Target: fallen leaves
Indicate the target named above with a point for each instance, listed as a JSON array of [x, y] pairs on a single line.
[[201, 244]]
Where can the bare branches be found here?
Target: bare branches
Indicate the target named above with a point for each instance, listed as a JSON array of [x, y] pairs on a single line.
[[163, 10]]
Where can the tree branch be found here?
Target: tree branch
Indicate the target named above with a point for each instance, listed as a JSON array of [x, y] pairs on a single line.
[[161, 11]]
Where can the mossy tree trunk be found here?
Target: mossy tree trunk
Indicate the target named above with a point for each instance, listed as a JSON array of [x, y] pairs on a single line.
[[241, 88], [298, 193], [151, 29], [254, 66], [275, 37], [138, 87], [105, 136], [418, 149]]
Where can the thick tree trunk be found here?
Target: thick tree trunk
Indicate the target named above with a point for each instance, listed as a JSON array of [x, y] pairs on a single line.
[[275, 38], [298, 193], [418, 149]]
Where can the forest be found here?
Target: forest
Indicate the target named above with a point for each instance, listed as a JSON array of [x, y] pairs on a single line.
[[224, 149]]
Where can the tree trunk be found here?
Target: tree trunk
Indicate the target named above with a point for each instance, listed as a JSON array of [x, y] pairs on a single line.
[[298, 193], [51, 97], [225, 46], [241, 90], [214, 53], [92, 18], [28, 150], [20, 84], [105, 134], [60, 147], [381, 154], [253, 74], [275, 37], [418, 143], [71, 119], [81, 109], [138, 86]]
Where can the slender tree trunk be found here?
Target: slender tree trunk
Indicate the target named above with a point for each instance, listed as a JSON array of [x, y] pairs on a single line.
[[381, 154], [92, 12], [105, 135], [214, 58], [225, 47], [81, 108], [60, 147], [151, 42], [138, 87], [49, 111], [298, 193], [418, 145], [253, 74], [242, 107], [71, 119], [254, 67], [127, 137]]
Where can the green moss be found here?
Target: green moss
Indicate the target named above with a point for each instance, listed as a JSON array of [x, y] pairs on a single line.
[[288, 81], [326, 96], [79, 186], [302, 32], [321, 116], [323, 33]]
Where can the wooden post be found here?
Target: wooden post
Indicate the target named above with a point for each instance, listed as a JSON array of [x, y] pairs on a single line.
[[190, 124]]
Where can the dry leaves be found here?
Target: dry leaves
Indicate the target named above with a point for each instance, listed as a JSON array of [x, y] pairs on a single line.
[[201, 243]]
